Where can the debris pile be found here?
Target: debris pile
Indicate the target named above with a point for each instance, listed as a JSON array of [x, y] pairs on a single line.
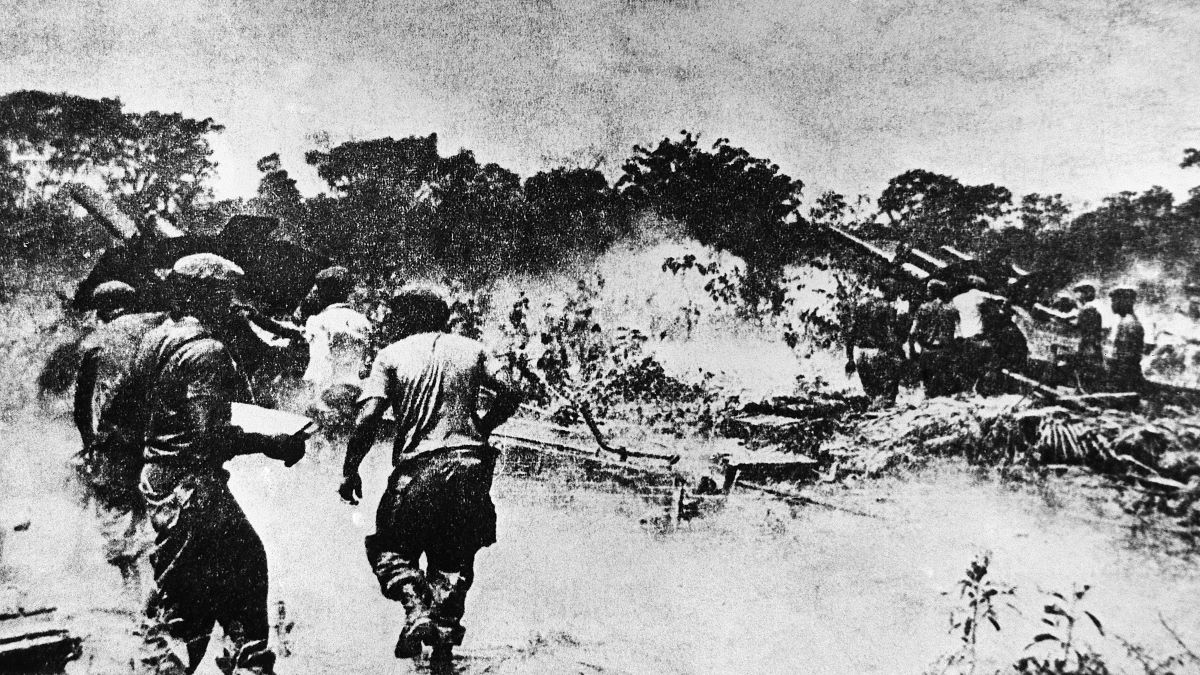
[[1157, 459], [880, 441]]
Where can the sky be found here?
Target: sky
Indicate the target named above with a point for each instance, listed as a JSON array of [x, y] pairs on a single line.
[[1080, 97]]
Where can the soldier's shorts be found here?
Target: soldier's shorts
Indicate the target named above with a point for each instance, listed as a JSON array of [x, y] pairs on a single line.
[[209, 567], [440, 505]]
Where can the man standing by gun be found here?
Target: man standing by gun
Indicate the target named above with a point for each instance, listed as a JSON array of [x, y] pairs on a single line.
[[877, 333], [437, 500], [935, 326], [209, 563]]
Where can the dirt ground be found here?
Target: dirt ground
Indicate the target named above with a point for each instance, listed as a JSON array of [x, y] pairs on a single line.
[[577, 583]]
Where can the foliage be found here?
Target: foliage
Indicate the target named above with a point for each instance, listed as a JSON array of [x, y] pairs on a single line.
[[726, 198], [979, 595], [569, 359], [399, 203], [1060, 650], [155, 164], [928, 210]]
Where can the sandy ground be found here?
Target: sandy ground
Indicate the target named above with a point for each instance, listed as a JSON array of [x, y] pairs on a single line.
[[578, 584]]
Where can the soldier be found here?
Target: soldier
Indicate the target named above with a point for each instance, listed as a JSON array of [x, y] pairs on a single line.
[[209, 563], [338, 338], [1089, 356], [1001, 345], [876, 330], [437, 501], [968, 305], [111, 457], [1125, 366], [935, 325]]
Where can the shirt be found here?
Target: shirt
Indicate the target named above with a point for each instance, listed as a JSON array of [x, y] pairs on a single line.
[[1091, 329], [875, 324], [1130, 339], [109, 352], [190, 379], [970, 318], [432, 382], [338, 338], [935, 324]]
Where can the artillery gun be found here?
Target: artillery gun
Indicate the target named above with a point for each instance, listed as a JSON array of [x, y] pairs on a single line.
[[1045, 328], [278, 273]]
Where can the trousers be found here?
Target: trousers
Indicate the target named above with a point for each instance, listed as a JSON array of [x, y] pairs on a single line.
[[439, 505], [209, 568]]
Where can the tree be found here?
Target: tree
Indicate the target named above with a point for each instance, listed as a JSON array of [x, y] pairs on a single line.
[[725, 198], [155, 164], [1041, 212], [164, 164], [382, 168], [277, 192], [928, 210], [571, 209]]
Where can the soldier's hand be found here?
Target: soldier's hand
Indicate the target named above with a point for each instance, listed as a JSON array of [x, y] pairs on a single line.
[[289, 450], [351, 489], [850, 367]]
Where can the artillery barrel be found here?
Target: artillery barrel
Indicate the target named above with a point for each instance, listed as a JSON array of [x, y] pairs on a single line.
[[118, 224]]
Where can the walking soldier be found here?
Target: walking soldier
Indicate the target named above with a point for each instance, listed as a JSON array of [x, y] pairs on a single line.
[[209, 564], [876, 332], [437, 500], [111, 458], [935, 325]]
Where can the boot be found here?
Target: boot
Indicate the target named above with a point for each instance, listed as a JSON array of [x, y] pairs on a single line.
[[419, 629], [253, 658]]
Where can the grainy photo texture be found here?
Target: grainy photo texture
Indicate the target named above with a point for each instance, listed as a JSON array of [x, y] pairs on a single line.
[[600, 337]]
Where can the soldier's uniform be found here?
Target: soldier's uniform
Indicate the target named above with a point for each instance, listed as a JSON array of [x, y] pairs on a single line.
[[338, 338], [209, 564], [111, 458], [876, 334], [935, 325], [1125, 366], [437, 501]]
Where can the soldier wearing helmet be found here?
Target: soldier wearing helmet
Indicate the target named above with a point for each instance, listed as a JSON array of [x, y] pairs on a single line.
[[110, 459], [209, 563]]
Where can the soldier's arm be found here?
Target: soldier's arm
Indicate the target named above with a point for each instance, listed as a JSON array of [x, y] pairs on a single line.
[[212, 385], [372, 404], [507, 399], [85, 386], [366, 428]]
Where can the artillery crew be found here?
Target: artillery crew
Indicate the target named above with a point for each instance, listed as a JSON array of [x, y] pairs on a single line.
[[877, 332], [935, 326]]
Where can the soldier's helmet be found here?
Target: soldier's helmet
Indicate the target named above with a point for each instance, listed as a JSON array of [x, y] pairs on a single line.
[[203, 278], [111, 296], [206, 269], [1128, 293], [334, 282]]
